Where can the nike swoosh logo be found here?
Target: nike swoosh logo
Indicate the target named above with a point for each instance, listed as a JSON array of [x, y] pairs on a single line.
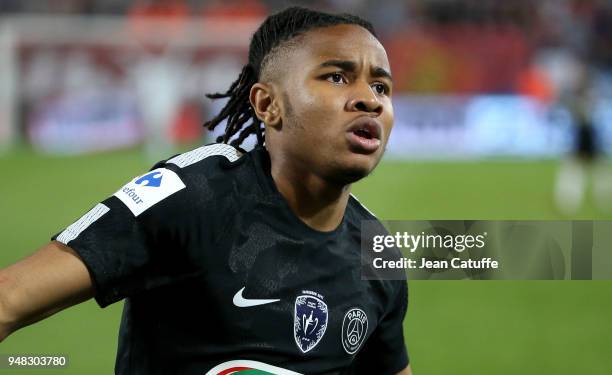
[[240, 301]]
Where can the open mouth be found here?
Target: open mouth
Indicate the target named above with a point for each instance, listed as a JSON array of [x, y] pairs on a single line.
[[366, 128], [364, 136], [363, 133]]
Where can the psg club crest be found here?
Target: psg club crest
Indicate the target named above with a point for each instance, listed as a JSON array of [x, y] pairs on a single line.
[[309, 320], [354, 330]]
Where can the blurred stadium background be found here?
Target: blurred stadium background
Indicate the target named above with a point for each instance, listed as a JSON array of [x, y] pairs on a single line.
[[489, 99]]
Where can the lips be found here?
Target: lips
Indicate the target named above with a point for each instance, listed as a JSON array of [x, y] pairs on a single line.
[[364, 135]]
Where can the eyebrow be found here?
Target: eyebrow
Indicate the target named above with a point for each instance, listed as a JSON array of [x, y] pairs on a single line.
[[351, 66]]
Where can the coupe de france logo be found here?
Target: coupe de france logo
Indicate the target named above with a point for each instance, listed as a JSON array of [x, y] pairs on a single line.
[[309, 320], [354, 330]]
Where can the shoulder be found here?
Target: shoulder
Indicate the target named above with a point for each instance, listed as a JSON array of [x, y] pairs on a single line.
[[358, 209], [364, 220], [357, 214], [210, 161], [208, 155], [202, 178], [214, 170]]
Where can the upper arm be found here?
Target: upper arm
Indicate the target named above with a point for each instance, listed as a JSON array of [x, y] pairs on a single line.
[[132, 242], [51, 279]]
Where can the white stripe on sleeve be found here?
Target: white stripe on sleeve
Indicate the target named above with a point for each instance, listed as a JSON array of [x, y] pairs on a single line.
[[83, 223]]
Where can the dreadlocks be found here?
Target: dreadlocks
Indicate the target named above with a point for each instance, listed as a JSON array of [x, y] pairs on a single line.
[[273, 33]]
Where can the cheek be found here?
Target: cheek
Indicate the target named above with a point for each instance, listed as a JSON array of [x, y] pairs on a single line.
[[317, 109], [387, 121], [323, 97]]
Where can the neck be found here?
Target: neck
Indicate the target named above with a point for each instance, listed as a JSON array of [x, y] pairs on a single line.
[[317, 202]]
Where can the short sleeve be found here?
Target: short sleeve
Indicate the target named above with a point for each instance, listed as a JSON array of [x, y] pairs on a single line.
[[134, 240], [385, 351]]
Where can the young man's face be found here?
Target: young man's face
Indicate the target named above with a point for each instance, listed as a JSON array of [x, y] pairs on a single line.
[[335, 103]]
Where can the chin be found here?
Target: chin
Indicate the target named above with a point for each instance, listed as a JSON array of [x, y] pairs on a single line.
[[350, 172], [350, 176]]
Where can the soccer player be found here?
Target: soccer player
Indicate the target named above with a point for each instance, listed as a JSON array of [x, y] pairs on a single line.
[[586, 160], [233, 261]]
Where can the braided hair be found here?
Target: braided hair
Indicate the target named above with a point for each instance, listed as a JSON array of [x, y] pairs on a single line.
[[273, 33]]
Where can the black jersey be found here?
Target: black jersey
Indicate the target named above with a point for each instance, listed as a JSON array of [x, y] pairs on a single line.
[[221, 277]]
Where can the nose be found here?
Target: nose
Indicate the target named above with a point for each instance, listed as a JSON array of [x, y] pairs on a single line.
[[365, 100]]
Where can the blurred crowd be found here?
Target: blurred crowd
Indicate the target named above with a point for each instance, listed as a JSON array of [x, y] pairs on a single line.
[[556, 51], [70, 87], [450, 45], [519, 40]]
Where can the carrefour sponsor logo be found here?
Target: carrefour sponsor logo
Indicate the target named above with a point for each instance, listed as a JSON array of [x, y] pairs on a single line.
[[152, 179], [147, 190], [131, 192]]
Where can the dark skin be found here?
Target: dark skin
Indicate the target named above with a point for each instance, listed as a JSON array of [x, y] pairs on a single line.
[[337, 75], [306, 114]]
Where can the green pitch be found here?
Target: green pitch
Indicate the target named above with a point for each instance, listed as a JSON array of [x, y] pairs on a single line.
[[502, 327]]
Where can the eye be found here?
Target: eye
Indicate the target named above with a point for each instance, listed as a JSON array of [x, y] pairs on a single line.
[[336, 78], [380, 88]]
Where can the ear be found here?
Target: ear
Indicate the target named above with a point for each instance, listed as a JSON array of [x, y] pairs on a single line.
[[264, 103]]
